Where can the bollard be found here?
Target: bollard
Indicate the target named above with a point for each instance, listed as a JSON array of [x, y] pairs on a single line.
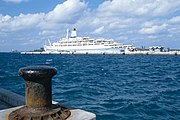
[[38, 85]]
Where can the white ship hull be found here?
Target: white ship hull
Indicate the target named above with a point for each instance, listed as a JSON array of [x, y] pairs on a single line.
[[82, 48]]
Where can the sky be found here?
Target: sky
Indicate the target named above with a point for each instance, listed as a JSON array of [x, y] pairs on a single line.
[[28, 24]]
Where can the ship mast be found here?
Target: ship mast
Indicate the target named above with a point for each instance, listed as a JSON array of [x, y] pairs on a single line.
[[67, 34]]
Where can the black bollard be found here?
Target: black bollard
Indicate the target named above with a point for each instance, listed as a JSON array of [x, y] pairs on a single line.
[[38, 85]]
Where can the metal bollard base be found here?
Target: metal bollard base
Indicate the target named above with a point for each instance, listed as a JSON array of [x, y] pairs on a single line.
[[56, 112]]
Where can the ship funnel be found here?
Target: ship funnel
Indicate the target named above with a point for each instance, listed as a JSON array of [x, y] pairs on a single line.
[[73, 33]]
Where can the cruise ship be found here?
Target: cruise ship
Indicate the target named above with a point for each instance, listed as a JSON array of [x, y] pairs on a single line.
[[73, 43]]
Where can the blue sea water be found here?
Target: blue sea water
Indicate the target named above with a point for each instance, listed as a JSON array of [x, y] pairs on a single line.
[[114, 87]]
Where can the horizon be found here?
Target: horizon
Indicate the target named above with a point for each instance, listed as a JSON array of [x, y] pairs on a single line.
[[26, 24]]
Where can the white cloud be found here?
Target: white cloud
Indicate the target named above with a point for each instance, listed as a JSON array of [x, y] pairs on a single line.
[[123, 38], [153, 29], [15, 1], [99, 30], [139, 7], [152, 37], [115, 14], [175, 30], [175, 20], [69, 11], [8, 23], [4, 18], [66, 13], [119, 16], [47, 32]]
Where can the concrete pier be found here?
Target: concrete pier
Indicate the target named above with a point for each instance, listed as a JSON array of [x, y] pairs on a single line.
[[109, 52], [12, 101]]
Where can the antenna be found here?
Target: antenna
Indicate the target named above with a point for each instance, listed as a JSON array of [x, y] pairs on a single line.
[[67, 34], [49, 42]]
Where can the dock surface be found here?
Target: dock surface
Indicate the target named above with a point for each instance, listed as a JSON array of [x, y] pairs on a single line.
[[10, 101], [109, 52]]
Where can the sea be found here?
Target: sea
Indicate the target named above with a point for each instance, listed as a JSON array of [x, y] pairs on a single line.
[[114, 87]]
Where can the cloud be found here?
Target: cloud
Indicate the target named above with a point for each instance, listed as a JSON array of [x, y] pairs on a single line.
[[47, 32], [175, 30], [139, 7], [115, 14], [99, 30], [66, 13], [153, 29], [175, 20], [69, 11], [152, 37], [119, 16], [9, 24], [16, 1]]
